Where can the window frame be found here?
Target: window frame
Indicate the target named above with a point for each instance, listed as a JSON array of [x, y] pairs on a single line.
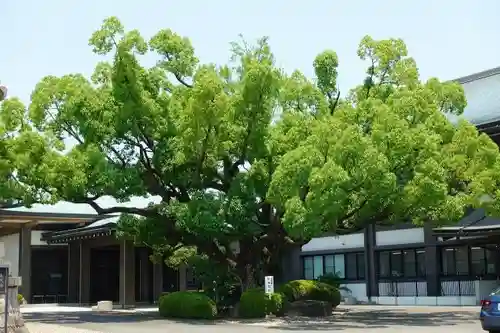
[[471, 273], [400, 257], [357, 256]]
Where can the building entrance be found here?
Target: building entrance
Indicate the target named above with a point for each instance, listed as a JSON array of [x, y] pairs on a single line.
[[104, 274]]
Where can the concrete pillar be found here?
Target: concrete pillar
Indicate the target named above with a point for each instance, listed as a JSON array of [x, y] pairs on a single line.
[[371, 261], [432, 261], [84, 267], [157, 280], [74, 272], [127, 274], [182, 278], [144, 275], [25, 262]]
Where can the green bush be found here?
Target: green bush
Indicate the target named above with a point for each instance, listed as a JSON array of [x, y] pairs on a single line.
[[300, 290], [187, 304], [277, 304], [20, 299], [331, 279], [255, 303]]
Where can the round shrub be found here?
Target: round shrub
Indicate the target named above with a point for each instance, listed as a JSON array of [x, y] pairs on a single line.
[[276, 304], [187, 304], [255, 303], [300, 290]]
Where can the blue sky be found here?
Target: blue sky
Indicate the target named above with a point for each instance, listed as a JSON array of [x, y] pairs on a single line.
[[448, 38]]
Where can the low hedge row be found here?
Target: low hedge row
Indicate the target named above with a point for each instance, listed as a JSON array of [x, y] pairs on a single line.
[[254, 303], [301, 290], [188, 305]]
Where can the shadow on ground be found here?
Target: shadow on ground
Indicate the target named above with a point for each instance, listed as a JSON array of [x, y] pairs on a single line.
[[88, 317], [376, 318], [351, 319]]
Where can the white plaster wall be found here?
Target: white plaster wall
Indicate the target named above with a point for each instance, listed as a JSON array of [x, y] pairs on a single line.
[[397, 237], [357, 290], [10, 253], [335, 243], [483, 100]]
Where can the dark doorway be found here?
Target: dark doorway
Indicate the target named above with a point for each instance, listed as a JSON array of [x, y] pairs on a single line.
[[170, 279], [105, 274], [49, 274]]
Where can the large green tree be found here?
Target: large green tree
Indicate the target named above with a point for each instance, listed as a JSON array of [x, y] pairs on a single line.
[[20, 145], [247, 154]]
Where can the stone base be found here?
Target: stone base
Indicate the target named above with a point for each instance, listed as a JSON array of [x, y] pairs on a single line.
[[15, 321], [103, 306]]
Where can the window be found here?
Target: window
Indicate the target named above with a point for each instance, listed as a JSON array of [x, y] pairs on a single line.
[[360, 262], [355, 264], [448, 261], [340, 265], [420, 256], [462, 260], [396, 264], [346, 266], [308, 268], [329, 264], [402, 263], [478, 261], [318, 266], [490, 262], [409, 263], [384, 264], [467, 261]]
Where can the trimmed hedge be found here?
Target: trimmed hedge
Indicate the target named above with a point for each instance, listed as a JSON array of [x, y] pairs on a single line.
[[301, 290], [187, 304], [255, 303]]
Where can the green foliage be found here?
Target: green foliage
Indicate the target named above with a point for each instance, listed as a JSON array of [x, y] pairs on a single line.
[[187, 304], [20, 299], [333, 280], [244, 152], [330, 279], [298, 290], [255, 303]]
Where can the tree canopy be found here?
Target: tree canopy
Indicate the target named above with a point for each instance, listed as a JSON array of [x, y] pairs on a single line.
[[247, 152]]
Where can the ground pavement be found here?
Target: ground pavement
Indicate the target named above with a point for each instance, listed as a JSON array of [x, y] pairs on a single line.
[[353, 319]]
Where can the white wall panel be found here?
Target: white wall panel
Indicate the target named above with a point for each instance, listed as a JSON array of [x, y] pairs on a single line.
[[400, 237], [10, 253], [335, 243]]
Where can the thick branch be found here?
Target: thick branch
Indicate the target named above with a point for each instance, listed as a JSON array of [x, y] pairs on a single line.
[[145, 212]]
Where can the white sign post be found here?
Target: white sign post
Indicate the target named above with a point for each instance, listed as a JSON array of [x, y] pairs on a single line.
[[269, 284]]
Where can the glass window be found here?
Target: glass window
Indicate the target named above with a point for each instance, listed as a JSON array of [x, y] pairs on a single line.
[[308, 268], [409, 263], [490, 262], [396, 264], [340, 265], [448, 261], [318, 266], [351, 266], [420, 257], [360, 261], [329, 265], [478, 261], [384, 268], [462, 260]]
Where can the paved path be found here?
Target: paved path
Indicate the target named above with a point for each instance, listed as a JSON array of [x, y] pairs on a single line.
[[353, 320]]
